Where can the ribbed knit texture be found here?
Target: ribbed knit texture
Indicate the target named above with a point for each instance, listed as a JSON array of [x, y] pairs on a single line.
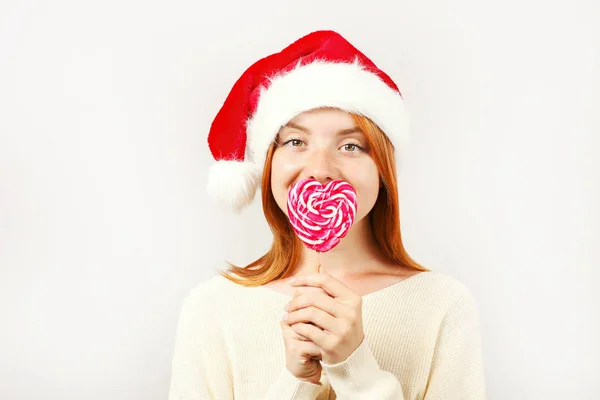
[[422, 341]]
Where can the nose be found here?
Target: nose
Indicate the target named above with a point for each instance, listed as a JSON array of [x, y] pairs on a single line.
[[321, 167]]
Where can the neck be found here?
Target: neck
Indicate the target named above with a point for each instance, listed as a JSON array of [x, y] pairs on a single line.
[[356, 254]]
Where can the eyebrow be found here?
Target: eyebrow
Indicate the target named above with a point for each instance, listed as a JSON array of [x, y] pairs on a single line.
[[346, 131]]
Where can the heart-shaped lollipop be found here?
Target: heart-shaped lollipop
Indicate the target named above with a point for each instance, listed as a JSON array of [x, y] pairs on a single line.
[[321, 215]]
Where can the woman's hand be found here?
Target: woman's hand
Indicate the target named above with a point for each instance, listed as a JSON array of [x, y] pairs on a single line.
[[335, 314], [301, 356]]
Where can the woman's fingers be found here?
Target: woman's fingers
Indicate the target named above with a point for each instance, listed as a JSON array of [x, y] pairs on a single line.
[[319, 299]]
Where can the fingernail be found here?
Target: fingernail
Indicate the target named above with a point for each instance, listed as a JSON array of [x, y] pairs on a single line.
[[287, 307], [285, 317]]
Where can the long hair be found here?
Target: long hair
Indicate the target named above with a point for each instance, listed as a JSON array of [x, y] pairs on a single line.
[[282, 259]]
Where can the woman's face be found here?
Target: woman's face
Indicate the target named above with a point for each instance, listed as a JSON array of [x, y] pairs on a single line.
[[324, 145]]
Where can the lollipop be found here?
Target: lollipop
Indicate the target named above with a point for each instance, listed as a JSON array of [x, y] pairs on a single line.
[[321, 215]]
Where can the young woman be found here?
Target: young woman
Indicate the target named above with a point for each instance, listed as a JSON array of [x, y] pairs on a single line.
[[361, 321]]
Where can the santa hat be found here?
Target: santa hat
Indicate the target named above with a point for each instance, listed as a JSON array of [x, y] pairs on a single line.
[[322, 69]]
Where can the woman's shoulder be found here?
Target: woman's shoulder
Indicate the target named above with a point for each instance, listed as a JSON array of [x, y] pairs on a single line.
[[444, 287], [213, 289], [454, 294], [222, 301], [220, 293], [444, 281]]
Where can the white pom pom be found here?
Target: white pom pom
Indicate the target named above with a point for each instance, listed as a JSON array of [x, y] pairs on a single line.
[[233, 184]]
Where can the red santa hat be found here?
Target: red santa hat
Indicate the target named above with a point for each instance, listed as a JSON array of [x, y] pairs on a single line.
[[322, 69]]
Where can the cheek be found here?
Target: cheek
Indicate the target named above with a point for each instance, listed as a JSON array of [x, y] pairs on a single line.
[[366, 182], [283, 172], [284, 168]]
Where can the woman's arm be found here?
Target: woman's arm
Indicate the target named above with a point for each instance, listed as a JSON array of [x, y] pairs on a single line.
[[289, 387], [359, 377], [200, 369], [457, 366]]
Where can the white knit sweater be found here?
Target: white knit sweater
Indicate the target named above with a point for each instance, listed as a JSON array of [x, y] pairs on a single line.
[[422, 341]]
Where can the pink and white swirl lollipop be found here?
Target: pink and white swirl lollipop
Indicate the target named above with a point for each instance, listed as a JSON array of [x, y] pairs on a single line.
[[321, 215]]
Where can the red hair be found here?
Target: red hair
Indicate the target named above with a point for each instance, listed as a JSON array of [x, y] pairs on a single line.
[[281, 260]]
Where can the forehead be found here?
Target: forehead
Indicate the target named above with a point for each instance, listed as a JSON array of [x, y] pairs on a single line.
[[324, 119]]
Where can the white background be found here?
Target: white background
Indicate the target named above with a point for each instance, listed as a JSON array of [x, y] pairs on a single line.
[[104, 221]]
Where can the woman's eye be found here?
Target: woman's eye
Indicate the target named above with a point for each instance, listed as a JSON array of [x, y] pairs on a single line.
[[294, 142], [351, 147]]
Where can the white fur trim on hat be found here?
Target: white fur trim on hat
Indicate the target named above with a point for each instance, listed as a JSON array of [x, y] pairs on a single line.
[[347, 86], [233, 184]]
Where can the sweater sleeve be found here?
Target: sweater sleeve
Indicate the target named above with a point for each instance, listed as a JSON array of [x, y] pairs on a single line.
[[288, 387], [200, 369], [457, 367], [456, 372], [359, 377]]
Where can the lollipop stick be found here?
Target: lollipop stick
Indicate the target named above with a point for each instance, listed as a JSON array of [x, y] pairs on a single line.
[[318, 269], [316, 289], [318, 262]]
